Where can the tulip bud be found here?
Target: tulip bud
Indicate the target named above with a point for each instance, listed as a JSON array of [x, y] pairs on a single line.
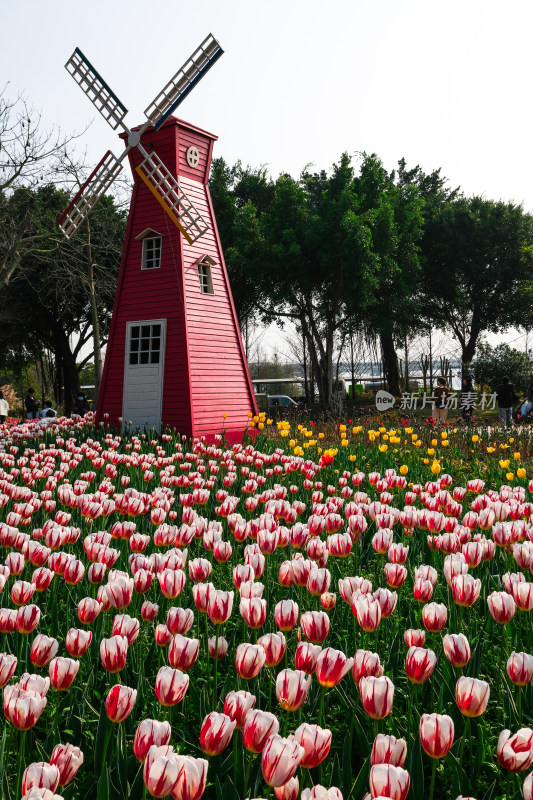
[[215, 733], [472, 696], [280, 759], [150, 732], [68, 759], [119, 702], [316, 742], [515, 753]]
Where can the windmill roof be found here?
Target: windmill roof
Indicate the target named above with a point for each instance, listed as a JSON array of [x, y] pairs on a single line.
[[176, 121]]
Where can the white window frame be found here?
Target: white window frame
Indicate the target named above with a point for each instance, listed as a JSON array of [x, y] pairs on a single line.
[[205, 278], [145, 242]]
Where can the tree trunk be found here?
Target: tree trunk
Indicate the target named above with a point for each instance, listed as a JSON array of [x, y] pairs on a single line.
[[95, 319], [390, 364], [71, 378]]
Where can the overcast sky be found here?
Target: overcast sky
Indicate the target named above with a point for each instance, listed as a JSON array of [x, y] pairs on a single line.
[[445, 84]]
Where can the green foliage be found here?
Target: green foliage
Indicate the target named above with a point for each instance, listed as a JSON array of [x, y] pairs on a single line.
[[492, 363]]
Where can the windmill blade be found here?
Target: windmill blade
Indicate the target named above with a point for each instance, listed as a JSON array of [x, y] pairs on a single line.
[[96, 89], [183, 81], [94, 187], [168, 193]]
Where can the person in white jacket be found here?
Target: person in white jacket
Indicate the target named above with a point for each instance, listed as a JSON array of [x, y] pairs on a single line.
[[4, 408]]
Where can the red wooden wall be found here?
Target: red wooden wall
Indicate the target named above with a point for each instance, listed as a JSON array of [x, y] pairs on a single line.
[[206, 373]]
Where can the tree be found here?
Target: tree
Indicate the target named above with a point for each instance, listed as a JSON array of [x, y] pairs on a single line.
[[478, 257], [492, 363], [51, 296], [241, 196]]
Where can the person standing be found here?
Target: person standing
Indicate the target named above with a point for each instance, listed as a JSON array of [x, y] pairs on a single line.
[[442, 393], [47, 410], [4, 408], [506, 397], [468, 397], [31, 405]]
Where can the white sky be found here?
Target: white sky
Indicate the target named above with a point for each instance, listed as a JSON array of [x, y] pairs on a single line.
[[445, 84], [441, 83]]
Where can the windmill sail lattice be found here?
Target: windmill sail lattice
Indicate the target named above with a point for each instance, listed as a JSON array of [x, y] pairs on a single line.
[[160, 181], [183, 81], [94, 187], [173, 199], [96, 89]]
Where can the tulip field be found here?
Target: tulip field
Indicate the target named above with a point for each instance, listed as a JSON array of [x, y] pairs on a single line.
[[323, 611]]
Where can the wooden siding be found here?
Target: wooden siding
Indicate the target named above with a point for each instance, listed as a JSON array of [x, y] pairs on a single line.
[[206, 373]]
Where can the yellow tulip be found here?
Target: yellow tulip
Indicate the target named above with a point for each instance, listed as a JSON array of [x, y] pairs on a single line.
[[475, 438], [509, 476], [521, 473], [404, 469], [435, 468]]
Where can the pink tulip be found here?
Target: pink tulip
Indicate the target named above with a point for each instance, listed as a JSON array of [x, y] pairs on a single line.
[[434, 616], [520, 668], [215, 733], [183, 652], [502, 607], [77, 642], [124, 625], [249, 660], [160, 771], [436, 734], [331, 666], [274, 645], [150, 732], [27, 618], [113, 653], [40, 775], [258, 727], [280, 759], [253, 611], [192, 777], [389, 781], [315, 626], [180, 620], [8, 665], [171, 686], [119, 702], [62, 672], [68, 759], [219, 605], [414, 638], [472, 696], [212, 646], [22, 707], [456, 649], [515, 753], [292, 688], [316, 742], [366, 664], [388, 750], [306, 656], [237, 705], [289, 790], [377, 695], [43, 649], [286, 615]]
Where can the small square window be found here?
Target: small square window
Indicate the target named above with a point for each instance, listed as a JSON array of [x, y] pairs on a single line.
[[151, 255], [205, 278]]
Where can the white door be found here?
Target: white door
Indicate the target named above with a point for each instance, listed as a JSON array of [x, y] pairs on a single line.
[[143, 374]]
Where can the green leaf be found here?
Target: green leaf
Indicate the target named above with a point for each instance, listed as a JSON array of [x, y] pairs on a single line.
[[360, 783], [347, 765], [100, 742], [416, 769], [491, 791], [218, 789], [103, 787]]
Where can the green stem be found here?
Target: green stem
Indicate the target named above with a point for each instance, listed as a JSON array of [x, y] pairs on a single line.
[[21, 763], [433, 774], [465, 736], [216, 669]]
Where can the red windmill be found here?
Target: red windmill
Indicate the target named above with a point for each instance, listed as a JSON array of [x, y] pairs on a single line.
[[174, 356]]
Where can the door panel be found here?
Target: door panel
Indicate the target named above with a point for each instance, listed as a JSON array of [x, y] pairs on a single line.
[[144, 366]]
